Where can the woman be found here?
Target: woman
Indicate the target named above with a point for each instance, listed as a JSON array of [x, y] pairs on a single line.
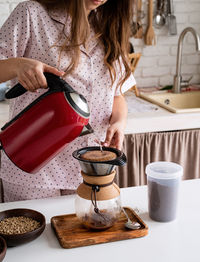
[[86, 43]]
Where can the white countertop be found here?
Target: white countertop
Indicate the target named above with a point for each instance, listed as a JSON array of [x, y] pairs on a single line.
[[143, 117], [176, 241]]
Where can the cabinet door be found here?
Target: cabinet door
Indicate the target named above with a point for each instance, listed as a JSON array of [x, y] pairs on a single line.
[[181, 147]]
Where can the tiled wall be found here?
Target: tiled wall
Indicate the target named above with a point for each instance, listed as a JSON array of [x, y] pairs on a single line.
[[157, 64]]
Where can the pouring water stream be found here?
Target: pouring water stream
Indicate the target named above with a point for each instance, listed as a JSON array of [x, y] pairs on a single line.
[[99, 143]]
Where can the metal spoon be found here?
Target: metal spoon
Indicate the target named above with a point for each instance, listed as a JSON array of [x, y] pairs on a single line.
[[129, 224], [159, 19]]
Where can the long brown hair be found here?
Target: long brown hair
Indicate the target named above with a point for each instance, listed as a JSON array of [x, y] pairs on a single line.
[[111, 22]]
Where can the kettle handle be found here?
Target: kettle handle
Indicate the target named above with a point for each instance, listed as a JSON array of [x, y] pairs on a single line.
[[15, 91], [54, 83]]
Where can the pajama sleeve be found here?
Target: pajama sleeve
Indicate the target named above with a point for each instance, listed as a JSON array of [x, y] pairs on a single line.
[[15, 33], [130, 81]]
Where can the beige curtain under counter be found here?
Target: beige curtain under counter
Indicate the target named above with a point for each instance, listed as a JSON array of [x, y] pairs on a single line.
[[181, 147]]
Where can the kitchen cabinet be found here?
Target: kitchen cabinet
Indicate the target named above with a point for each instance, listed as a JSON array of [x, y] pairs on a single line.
[[155, 134], [179, 146]]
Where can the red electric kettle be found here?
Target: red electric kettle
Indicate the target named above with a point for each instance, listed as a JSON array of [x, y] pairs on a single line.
[[40, 131]]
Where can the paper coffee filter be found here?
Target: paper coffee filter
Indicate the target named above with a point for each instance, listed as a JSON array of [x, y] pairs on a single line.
[[164, 170]]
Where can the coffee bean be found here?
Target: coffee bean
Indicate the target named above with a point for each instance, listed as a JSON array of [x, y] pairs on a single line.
[[18, 225]]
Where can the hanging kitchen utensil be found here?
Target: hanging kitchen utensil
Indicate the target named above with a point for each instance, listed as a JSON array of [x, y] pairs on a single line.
[[134, 59], [139, 33], [171, 18], [159, 18], [134, 25], [150, 35], [42, 130]]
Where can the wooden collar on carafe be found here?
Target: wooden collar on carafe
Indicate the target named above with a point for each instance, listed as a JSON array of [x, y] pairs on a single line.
[[107, 188], [98, 180]]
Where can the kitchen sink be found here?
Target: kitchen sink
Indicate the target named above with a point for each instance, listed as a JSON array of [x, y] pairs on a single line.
[[185, 102]]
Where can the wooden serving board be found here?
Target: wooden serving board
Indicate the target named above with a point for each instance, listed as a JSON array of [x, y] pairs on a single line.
[[71, 233]]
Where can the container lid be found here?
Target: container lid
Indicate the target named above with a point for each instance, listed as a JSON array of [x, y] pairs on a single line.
[[164, 170]]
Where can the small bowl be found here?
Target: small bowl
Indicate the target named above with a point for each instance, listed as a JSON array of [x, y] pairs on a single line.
[[18, 239], [3, 248]]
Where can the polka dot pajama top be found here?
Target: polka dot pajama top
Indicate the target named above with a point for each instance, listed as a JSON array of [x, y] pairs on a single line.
[[32, 32]]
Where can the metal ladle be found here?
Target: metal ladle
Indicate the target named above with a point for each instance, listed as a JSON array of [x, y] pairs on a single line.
[[129, 224], [159, 19]]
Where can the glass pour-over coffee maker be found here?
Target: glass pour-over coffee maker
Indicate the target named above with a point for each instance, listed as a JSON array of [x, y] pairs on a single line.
[[98, 203]]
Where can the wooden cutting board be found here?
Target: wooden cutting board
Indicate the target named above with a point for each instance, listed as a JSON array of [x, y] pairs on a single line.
[[71, 233]]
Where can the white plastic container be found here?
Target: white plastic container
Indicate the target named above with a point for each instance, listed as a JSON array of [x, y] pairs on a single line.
[[163, 180]]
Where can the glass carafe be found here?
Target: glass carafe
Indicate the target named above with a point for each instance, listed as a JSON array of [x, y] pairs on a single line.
[[98, 203], [103, 218]]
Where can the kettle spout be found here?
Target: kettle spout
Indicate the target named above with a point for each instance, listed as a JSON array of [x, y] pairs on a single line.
[[87, 129]]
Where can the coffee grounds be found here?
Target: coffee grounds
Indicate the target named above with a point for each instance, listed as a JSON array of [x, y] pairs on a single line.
[[162, 201], [97, 155], [97, 221]]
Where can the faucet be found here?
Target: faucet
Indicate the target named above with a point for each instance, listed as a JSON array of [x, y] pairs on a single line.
[[178, 78]]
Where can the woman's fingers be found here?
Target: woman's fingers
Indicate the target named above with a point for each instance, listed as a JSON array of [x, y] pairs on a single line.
[[31, 73], [109, 136], [27, 83], [53, 70], [114, 137], [23, 83], [41, 79], [118, 141], [32, 81]]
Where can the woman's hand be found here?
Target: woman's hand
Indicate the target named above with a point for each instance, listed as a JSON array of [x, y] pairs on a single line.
[[115, 132], [114, 136], [30, 73]]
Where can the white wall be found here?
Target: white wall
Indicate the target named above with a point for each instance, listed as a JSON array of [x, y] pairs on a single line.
[[157, 64]]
